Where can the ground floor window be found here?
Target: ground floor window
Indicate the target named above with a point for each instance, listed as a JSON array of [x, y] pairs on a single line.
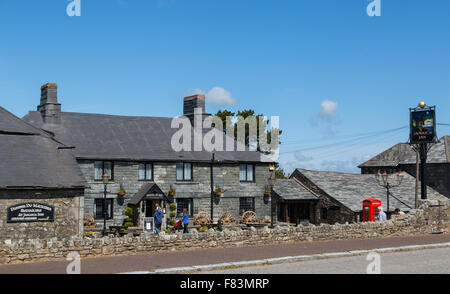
[[183, 203], [246, 204], [99, 208]]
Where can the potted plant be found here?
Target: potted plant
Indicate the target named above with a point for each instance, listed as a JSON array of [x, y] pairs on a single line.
[[218, 192], [267, 193], [172, 192], [122, 191]]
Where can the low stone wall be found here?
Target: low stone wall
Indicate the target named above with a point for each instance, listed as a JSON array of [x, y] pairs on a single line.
[[432, 217]]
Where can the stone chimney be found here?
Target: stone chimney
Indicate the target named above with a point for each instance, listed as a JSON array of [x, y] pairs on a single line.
[[192, 103], [49, 107]]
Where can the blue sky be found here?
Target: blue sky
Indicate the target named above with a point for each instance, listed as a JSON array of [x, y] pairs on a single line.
[[327, 69]]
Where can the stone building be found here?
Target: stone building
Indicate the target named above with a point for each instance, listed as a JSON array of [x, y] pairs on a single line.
[[41, 185], [341, 195], [402, 157], [137, 154]]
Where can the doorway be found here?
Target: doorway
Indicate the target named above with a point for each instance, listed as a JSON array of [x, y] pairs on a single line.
[[150, 207]]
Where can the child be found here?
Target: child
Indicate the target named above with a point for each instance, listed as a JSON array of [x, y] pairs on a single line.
[[185, 221]]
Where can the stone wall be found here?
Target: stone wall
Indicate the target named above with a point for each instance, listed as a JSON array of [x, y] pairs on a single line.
[[432, 217], [68, 214], [164, 175]]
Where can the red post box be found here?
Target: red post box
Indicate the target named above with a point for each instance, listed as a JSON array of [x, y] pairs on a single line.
[[370, 209]]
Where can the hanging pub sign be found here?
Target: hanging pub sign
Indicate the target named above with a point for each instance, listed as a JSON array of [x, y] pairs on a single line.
[[30, 212], [423, 125]]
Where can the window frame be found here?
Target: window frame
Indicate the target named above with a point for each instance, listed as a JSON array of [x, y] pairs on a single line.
[[246, 173], [190, 211], [241, 211], [184, 175], [145, 171], [111, 176], [102, 200]]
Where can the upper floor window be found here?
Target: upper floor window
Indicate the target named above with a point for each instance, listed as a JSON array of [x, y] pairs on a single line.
[[247, 173], [102, 167], [145, 172], [184, 171]]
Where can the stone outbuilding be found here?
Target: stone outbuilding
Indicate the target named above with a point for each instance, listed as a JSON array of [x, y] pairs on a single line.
[[402, 157], [41, 185], [341, 195]]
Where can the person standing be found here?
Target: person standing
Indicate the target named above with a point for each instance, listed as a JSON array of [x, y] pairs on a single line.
[[158, 217], [185, 221], [381, 214]]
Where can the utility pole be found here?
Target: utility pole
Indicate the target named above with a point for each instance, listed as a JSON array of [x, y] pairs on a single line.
[[212, 188], [423, 169], [416, 205]]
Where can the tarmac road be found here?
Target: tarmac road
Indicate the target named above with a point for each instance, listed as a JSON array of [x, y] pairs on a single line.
[[426, 261], [151, 261]]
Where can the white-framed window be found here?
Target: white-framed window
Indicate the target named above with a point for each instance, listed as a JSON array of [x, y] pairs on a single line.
[[102, 167], [145, 172], [184, 171], [247, 173]]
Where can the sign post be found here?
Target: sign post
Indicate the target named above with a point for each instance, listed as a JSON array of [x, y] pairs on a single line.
[[422, 133], [148, 224]]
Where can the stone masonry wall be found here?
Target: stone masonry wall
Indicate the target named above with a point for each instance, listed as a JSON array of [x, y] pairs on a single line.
[[432, 217], [164, 175], [68, 215]]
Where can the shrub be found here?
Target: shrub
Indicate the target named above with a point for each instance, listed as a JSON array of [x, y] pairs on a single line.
[[172, 222], [173, 214], [128, 224], [129, 212], [172, 206]]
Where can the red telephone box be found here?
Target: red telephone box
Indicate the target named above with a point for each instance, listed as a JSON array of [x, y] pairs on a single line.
[[370, 209]]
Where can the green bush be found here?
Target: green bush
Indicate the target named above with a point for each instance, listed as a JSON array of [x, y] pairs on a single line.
[[173, 214], [129, 212], [129, 224], [172, 206], [172, 222]]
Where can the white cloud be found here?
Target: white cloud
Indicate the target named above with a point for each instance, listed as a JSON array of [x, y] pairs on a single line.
[[217, 95], [329, 109]]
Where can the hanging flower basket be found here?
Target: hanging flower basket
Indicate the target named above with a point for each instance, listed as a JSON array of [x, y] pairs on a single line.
[[267, 193], [172, 192], [218, 192], [121, 192]]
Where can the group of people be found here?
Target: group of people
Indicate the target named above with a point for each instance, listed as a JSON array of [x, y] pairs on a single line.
[[382, 215], [159, 215]]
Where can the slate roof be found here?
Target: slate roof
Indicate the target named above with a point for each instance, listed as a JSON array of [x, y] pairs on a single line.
[[29, 158], [403, 153], [439, 153], [100, 136], [145, 189], [291, 190], [352, 189], [391, 157]]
